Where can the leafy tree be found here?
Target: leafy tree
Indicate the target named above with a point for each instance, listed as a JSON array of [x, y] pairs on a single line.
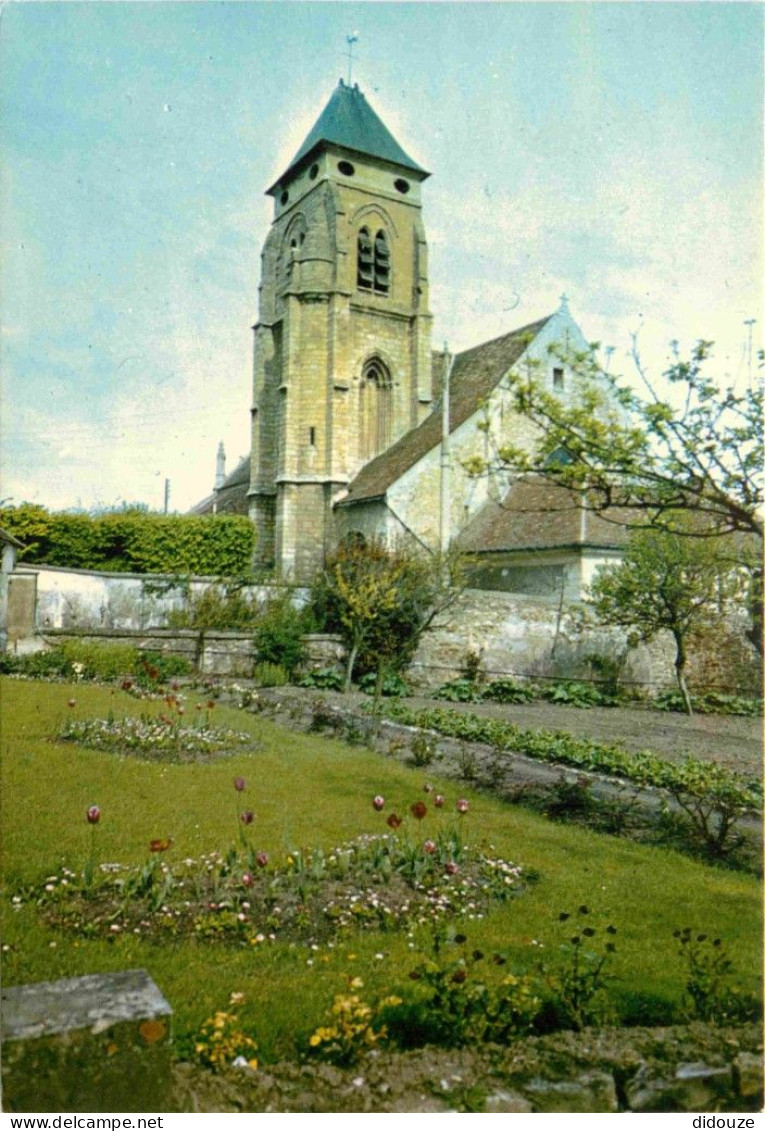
[[666, 581], [381, 601], [640, 452]]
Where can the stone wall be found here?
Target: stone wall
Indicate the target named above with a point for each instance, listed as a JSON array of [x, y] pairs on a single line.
[[531, 637], [92, 599]]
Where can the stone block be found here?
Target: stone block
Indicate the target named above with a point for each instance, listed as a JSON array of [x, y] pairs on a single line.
[[100, 1043], [692, 1087], [748, 1072], [590, 1092], [507, 1102]]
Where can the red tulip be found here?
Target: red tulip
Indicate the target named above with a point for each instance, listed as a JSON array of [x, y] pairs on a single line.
[[438, 801], [419, 809], [239, 784], [262, 859], [429, 847], [247, 817], [93, 815]]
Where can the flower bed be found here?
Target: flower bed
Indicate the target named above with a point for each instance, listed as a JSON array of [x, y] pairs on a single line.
[[380, 882], [156, 737]]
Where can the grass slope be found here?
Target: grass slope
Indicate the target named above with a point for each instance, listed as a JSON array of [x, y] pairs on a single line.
[[309, 791]]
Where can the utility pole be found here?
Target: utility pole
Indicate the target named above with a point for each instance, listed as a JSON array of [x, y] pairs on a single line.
[[446, 463], [167, 495], [749, 322]]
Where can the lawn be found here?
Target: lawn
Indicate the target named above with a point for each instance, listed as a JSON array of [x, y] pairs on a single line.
[[308, 792]]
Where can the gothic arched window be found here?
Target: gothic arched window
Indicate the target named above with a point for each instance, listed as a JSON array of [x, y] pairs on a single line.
[[373, 262], [375, 409]]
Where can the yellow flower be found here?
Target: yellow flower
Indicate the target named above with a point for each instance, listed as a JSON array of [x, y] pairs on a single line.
[[356, 983]]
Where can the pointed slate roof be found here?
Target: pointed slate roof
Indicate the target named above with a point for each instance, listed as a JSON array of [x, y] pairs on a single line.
[[350, 122], [475, 374], [231, 498]]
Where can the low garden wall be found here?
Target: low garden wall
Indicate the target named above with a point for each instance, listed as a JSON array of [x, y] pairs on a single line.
[[210, 652], [512, 634]]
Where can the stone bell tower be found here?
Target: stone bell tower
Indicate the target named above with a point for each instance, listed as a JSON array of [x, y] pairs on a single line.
[[342, 345]]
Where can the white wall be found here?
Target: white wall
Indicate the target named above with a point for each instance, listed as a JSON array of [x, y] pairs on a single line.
[[69, 598]]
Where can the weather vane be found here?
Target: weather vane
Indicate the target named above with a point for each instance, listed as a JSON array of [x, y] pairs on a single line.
[[350, 40]]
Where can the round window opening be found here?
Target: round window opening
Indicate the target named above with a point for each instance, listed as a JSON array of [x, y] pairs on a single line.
[[313, 172], [346, 168], [401, 185], [284, 197]]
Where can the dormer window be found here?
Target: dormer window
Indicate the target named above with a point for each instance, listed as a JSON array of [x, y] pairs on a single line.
[[373, 262], [558, 380]]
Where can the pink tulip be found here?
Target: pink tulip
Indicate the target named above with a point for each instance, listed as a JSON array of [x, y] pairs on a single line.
[[262, 859], [248, 879], [438, 801], [429, 846], [93, 815], [239, 784], [378, 803], [247, 817], [462, 805]]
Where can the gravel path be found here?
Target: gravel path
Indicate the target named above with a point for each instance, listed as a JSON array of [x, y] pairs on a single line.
[[734, 742]]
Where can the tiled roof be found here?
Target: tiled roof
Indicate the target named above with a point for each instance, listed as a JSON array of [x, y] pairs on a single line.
[[538, 515], [231, 498], [349, 121], [475, 374]]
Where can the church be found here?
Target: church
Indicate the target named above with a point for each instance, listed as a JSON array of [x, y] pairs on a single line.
[[358, 424]]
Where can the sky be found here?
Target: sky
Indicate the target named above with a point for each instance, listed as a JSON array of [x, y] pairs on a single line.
[[608, 151]]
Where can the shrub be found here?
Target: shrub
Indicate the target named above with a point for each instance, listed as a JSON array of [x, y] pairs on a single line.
[[574, 693], [424, 748], [327, 679], [279, 633], [270, 675], [708, 993], [458, 691], [507, 691], [461, 1003], [709, 703], [579, 978], [217, 607], [220, 1041], [391, 685], [355, 1027], [99, 661], [87, 659]]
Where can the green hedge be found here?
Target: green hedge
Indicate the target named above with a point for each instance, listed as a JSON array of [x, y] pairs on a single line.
[[133, 541]]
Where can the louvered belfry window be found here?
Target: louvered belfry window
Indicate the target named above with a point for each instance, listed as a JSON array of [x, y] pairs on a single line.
[[373, 270]]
